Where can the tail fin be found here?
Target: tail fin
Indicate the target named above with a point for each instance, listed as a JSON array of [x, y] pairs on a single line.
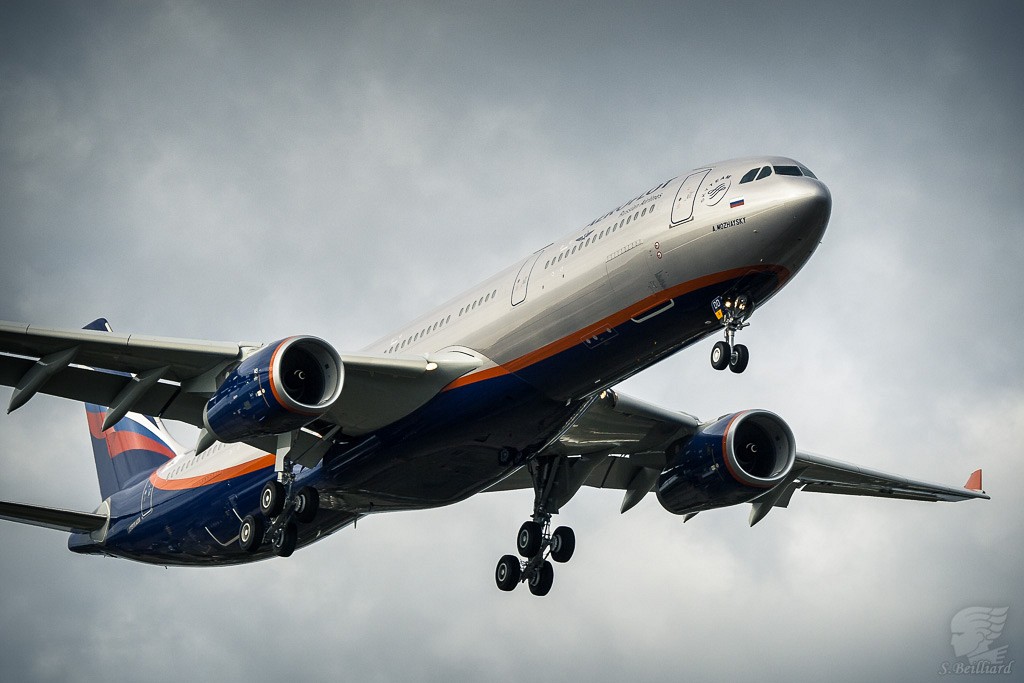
[[134, 446]]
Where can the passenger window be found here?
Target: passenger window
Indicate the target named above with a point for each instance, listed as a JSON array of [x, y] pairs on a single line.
[[787, 170], [749, 175], [765, 172], [643, 213]]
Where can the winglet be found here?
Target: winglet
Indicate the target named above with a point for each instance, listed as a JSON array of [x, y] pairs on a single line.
[[974, 481]]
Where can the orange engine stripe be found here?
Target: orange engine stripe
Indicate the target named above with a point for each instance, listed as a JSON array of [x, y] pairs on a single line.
[[270, 374]]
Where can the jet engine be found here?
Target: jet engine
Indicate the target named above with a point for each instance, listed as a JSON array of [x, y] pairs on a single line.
[[732, 460], [281, 387]]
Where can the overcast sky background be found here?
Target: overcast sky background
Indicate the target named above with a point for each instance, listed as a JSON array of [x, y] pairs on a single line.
[[244, 172]]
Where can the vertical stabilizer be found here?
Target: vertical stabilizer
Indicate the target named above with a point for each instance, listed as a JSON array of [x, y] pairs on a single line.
[[130, 449]]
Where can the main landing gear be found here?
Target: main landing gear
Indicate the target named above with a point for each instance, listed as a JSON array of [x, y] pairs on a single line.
[[536, 543], [732, 313], [285, 509]]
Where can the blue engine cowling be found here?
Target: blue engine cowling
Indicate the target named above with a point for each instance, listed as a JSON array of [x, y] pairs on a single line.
[[732, 460], [281, 387]]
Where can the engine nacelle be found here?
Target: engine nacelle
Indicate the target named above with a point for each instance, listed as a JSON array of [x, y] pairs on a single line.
[[281, 387], [730, 461]]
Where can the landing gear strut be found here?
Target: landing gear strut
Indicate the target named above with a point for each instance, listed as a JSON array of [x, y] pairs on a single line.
[[732, 312], [536, 543], [283, 507]]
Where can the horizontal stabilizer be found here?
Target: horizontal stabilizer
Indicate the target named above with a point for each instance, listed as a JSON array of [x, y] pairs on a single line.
[[52, 518]]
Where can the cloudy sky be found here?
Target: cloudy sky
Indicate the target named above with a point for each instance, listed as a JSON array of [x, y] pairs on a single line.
[[245, 172]]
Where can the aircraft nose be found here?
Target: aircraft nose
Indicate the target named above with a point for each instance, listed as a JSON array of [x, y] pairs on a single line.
[[811, 205]]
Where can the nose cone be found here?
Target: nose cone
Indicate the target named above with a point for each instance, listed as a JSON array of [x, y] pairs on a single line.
[[810, 204], [804, 217]]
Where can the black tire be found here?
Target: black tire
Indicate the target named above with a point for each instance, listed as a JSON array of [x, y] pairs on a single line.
[[563, 544], [307, 503], [272, 499], [543, 577], [530, 538], [508, 572], [285, 541], [250, 533], [740, 358], [720, 355]]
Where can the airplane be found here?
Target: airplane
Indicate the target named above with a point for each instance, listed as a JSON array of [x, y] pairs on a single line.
[[509, 385]]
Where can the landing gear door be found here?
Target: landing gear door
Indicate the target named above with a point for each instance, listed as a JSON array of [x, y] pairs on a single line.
[[682, 207], [523, 279]]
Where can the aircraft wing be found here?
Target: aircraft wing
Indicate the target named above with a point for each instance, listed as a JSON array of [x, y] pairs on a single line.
[[823, 475], [174, 378], [619, 442]]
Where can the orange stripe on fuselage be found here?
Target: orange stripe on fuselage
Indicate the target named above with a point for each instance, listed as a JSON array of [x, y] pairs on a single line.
[[614, 320], [213, 477]]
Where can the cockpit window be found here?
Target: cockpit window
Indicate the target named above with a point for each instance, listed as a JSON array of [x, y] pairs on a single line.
[[788, 170], [749, 175], [765, 172], [807, 172]]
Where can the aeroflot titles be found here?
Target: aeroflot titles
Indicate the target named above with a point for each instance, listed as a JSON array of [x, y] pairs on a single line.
[[623, 206]]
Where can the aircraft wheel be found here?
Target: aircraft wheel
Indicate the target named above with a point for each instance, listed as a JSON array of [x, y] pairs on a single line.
[[720, 355], [543, 577], [563, 544], [285, 541], [250, 534], [739, 359], [530, 538], [306, 505], [272, 499], [508, 572]]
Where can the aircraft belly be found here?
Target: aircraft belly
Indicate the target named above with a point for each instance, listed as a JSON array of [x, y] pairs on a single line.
[[459, 444]]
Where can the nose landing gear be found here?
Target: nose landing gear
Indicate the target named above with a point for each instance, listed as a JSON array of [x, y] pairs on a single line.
[[732, 312]]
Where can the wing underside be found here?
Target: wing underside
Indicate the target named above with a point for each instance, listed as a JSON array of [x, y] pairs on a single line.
[[621, 443], [174, 378]]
